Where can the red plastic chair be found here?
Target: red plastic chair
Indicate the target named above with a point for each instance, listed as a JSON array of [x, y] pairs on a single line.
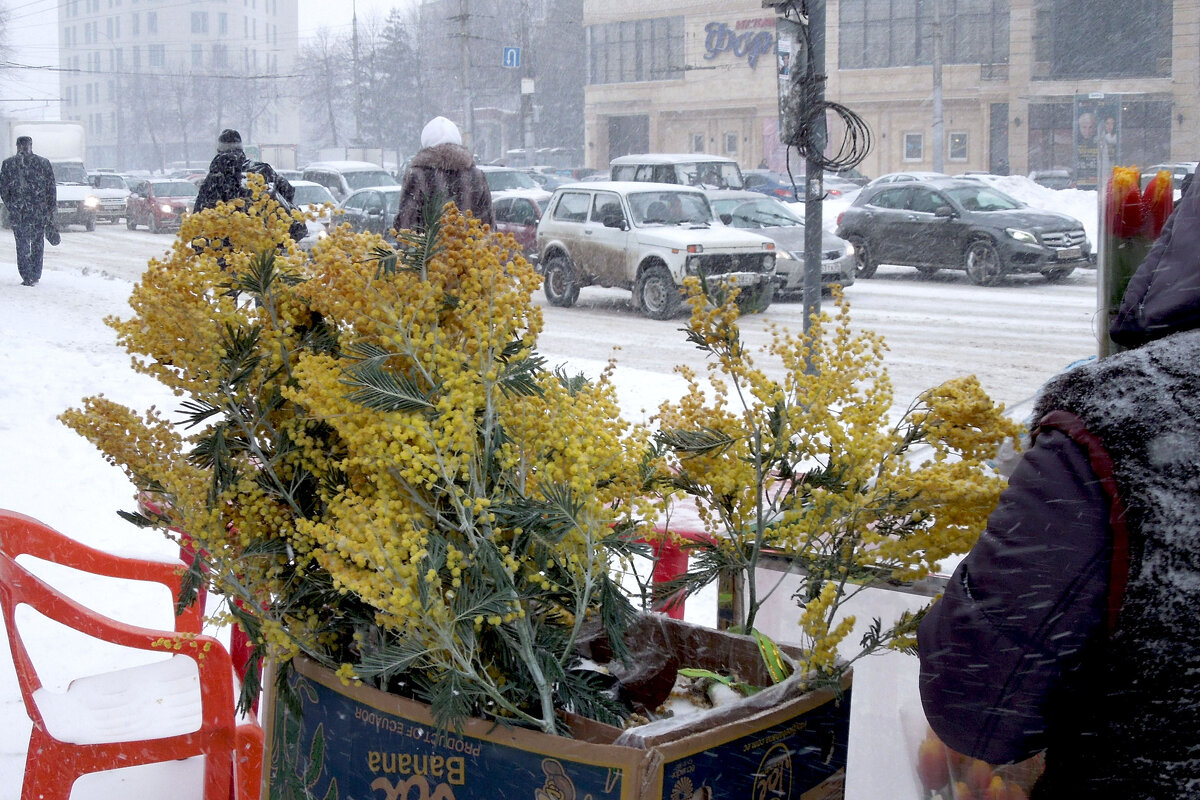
[[173, 710]]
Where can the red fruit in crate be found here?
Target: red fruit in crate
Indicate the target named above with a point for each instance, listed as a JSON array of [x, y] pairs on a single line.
[[996, 790], [979, 776], [960, 791], [933, 763], [1015, 792]]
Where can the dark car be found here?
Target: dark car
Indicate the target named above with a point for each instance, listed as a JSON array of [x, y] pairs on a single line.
[[159, 204], [950, 223], [519, 213], [773, 184], [372, 209]]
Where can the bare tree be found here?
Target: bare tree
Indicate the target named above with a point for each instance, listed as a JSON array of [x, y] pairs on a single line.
[[326, 92]]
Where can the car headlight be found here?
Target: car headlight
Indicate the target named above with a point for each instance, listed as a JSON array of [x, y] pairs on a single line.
[[782, 254], [1021, 236], [165, 208], [692, 265], [769, 261], [849, 249], [91, 201]]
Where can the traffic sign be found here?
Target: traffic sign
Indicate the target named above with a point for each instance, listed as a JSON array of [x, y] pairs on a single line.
[[512, 57]]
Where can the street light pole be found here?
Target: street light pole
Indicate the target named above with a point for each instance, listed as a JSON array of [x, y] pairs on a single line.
[[939, 144]]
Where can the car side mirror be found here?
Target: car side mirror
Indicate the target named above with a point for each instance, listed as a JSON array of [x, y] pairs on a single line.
[[614, 221], [727, 218], [945, 211]]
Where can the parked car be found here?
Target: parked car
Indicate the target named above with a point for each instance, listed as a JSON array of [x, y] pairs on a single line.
[[372, 209], [519, 213], [774, 184], [773, 219], [686, 169], [313, 198], [647, 238], [159, 204], [547, 180], [908, 175], [112, 191], [342, 178], [1053, 178], [851, 175], [950, 223], [505, 179]]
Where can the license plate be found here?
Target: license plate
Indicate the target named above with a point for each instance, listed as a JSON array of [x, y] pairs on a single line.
[[1069, 252]]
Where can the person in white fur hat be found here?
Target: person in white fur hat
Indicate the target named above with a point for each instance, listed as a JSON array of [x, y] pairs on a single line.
[[442, 170]]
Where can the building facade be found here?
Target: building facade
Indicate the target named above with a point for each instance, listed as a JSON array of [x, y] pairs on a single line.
[[1025, 84], [155, 81]]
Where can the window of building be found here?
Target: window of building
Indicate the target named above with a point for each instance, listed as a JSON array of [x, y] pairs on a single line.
[[156, 55], [134, 21], [136, 56], [222, 23], [899, 33], [151, 22], [697, 142], [1076, 39], [197, 55], [220, 55], [956, 146], [731, 143], [635, 50], [199, 22], [914, 146]]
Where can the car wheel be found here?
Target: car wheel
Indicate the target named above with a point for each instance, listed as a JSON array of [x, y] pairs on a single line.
[[152, 224], [657, 293], [756, 299], [864, 259], [560, 285], [1056, 275], [983, 263], [928, 271], [89, 224], [130, 222]]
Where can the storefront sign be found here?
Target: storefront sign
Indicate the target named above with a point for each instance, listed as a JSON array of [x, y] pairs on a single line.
[[748, 39]]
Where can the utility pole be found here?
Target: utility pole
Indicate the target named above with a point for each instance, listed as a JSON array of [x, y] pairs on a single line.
[[939, 142], [357, 77], [468, 105], [814, 191], [527, 87]]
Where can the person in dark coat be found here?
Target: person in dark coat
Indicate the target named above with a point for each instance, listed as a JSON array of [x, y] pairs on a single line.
[[1071, 627], [29, 194], [442, 170], [226, 177]]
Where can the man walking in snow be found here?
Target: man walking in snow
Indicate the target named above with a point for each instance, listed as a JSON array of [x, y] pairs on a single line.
[[29, 194], [442, 170]]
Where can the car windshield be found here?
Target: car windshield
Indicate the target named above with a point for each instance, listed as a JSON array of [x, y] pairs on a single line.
[[714, 174], [312, 195], [670, 208], [764, 213], [69, 173], [982, 198], [503, 180], [174, 189], [370, 177]]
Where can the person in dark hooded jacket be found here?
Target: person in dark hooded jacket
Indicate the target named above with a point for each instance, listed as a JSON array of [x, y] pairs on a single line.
[[442, 170], [226, 178], [29, 193], [1071, 626]]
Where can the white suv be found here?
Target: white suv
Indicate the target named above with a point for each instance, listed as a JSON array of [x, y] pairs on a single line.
[[647, 237]]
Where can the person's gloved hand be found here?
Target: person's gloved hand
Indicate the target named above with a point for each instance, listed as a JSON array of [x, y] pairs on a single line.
[[52, 234]]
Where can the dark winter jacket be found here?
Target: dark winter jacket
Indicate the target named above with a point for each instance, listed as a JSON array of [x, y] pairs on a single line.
[[225, 181], [440, 173], [226, 173], [1070, 627], [28, 190]]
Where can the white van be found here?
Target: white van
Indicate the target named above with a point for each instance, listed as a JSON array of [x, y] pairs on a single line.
[[688, 169], [343, 177]]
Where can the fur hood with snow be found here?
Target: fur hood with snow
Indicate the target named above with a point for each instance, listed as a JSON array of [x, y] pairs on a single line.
[[443, 169]]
